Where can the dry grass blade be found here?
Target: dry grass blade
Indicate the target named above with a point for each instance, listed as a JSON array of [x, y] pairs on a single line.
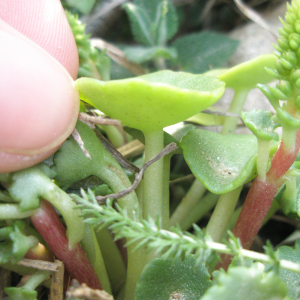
[[132, 149], [117, 155], [84, 292], [138, 176], [57, 285], [39, 264], [254, 16], [118, 56]]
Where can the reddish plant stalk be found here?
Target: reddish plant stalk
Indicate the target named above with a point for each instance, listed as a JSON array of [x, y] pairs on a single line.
[[260, 198], [48, 224]]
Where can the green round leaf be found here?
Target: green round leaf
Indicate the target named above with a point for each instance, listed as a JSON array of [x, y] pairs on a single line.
[[247, 75], [167, 279], [213, 159], [154, 101], [241, 283]]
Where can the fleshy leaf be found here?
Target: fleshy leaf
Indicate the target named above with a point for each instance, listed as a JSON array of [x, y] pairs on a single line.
[[247, 284], [261, 123], [70, 163], [289, 195], [167, 279], [14, 243], [212, 159], [19, 293], [154, 101], [200, 52], [31, 184], [247, 75], [140, 54], [291, 279], [286, 118]]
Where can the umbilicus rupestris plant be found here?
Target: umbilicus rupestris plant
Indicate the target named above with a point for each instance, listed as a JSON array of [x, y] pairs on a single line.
[[150, 103]]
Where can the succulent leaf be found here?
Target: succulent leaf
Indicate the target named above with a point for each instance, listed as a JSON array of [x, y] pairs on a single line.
[[246, 283], [211, 158], [154, 101], [14, 242], [173, 279], [261, 124], [247, 75], [31, 184]]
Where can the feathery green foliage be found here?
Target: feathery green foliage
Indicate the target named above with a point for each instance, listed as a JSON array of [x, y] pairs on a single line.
[[174, 243]]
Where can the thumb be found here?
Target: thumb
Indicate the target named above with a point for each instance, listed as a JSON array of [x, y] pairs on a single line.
[[38, 100], [45, 23]]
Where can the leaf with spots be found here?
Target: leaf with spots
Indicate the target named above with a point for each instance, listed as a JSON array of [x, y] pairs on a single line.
[[213, 159], [173, 280]]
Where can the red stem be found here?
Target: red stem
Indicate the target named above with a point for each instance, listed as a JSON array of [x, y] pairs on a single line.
[[260, 198], [48, 224]]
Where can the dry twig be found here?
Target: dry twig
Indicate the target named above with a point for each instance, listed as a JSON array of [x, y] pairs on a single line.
[[138, 176]]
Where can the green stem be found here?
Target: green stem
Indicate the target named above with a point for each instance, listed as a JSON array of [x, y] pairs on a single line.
[[188, 203], [288, 136], [36, 279], [160, 63], [12, 211], [236, 106], [90, 246], [114, 135], [166, 191], [222, 214], [140, 195], [187, 213], [200, 210], [117, 180], [153, 177], [274, 207], [113, 261], [263, 153]]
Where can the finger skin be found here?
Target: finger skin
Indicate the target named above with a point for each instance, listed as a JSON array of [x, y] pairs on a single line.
[[45, 23], [15, 162], [38, 100]]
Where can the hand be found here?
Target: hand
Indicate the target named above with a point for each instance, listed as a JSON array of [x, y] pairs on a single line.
[[39, 104]]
